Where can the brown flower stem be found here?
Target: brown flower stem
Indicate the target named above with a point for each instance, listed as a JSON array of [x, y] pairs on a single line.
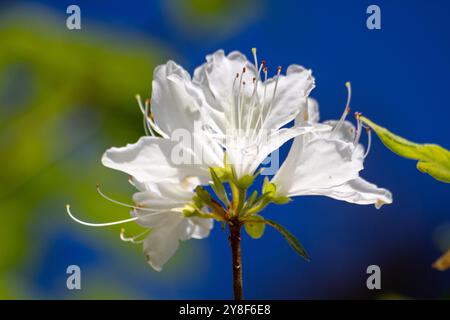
[[235, 244]]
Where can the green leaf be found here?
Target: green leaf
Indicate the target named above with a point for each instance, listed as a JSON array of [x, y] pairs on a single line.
[[432, 158], [222, 173], [252, 199], [255, 227], [218, 186], [203, 194], [290, 238], [269, 188]]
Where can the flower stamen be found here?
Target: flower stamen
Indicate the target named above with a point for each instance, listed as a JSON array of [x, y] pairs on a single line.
[[346, 110], [134, 238], [269, 109], [369, 141], [358, 128], [106, 224], [146, 109]]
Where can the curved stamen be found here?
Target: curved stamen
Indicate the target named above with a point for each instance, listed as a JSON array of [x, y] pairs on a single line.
[[107, 224], [255, 58], [150, 122], [135, 207], [369, 141], [140, 104], [153, 125], [240, 98], [146, 125], [134, 238], [346, 110]]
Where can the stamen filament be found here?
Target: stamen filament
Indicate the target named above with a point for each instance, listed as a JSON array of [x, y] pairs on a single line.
[[263, 104], [148, 119], [358, 128], [369, 141], [269, 109], [239, 101], [134, 238], [346, 110], [107, 224]]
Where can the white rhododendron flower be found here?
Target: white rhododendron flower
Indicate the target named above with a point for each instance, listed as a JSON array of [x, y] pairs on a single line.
[[216, 129], [328, 164]]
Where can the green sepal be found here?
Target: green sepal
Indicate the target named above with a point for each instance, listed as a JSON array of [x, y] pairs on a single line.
[[280, 199]]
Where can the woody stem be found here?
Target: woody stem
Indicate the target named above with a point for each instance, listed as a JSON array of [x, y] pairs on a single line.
[[235, 244]]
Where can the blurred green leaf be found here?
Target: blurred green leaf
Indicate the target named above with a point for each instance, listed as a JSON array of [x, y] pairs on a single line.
[[64, 98]]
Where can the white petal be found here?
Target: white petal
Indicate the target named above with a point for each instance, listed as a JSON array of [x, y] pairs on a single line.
[[249, 159], [202, 227], [217, 74], [310, 114], [175, 100], [357, 191], [150, 160], [347, 133], [176, 106], [166, 195], [160, 245], [216, 77], [290, 97], [157, 219], [316, 164]]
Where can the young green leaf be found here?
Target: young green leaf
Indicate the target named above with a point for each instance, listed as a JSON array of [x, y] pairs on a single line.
[[269, 187], [290, 238], [432, 159], [218, 187], [203, 194], [246, 181], [255, 227], [252, 199]]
